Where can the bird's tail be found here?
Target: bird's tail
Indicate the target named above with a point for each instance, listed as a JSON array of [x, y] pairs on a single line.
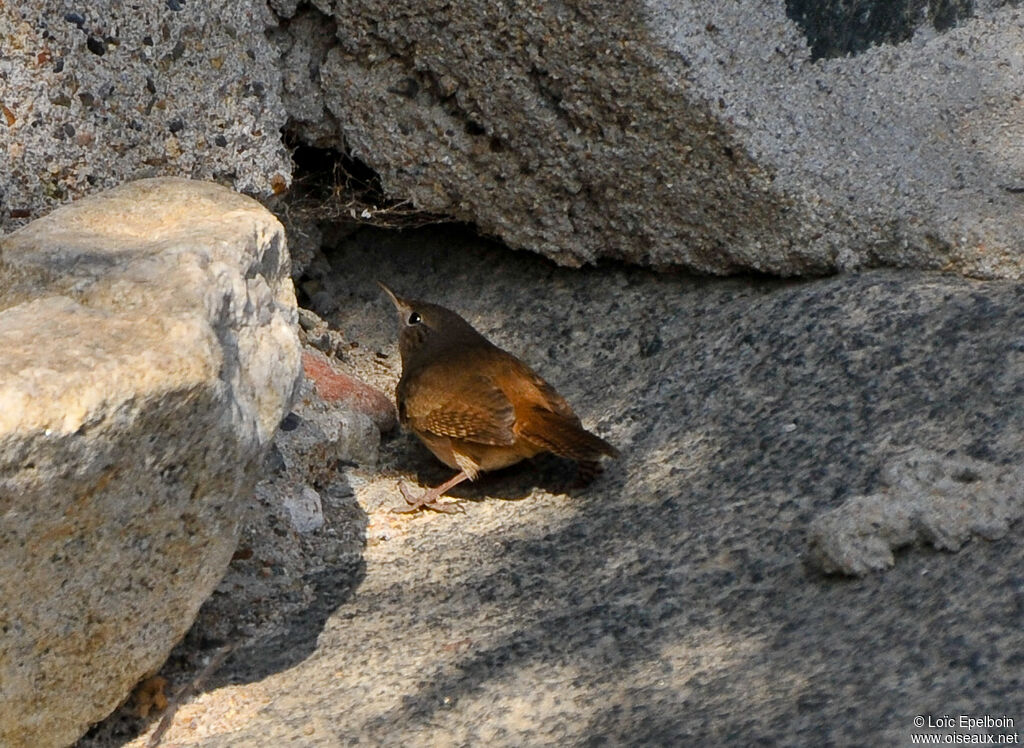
[[563, 436]]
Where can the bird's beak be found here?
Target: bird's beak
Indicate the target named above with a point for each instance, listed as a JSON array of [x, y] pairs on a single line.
[[401, 305], [389, 292]]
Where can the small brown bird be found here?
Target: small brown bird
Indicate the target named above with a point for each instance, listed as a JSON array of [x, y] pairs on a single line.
[[475, 406]]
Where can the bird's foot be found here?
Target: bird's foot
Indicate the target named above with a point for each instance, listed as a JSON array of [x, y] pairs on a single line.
[[426, 500]]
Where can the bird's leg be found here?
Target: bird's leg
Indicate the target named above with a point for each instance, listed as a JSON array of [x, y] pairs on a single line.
[[428, 499]]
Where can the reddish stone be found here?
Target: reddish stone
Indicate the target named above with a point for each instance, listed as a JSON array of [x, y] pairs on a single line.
[[335, 386]]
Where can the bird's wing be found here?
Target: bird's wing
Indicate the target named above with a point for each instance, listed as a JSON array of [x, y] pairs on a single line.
[[472, 408], [546, 419]]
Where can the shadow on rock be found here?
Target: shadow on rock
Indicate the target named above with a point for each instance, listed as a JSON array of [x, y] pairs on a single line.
[[296, 640], [545, 472], [278, 592], [671, 602]]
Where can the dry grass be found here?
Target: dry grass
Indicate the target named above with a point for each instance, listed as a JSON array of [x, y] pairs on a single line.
[[343, 190]]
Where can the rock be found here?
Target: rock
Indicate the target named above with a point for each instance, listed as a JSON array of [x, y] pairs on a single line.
[[330, 428], [189, 90], [335, 386], [702, 134], [670, 601], [147, 353], [305, 508], [928, 497], [302, 42]]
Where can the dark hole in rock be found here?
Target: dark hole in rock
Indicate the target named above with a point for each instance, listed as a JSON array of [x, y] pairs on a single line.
[[966, 476], [335, 187], [837, 28]]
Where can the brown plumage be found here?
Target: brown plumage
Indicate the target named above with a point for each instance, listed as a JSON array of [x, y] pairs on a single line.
[[474, 405]]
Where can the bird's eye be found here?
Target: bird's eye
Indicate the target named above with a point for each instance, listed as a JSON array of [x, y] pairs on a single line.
[[414, 318]]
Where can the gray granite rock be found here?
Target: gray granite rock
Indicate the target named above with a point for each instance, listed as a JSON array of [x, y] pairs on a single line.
[[699, 133], [702, 134], [148, 351], [102, 93], [673, 601]]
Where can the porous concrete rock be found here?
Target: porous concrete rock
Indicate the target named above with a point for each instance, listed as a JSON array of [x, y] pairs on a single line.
[[147, 354], [96, 94], [696, 133], [927, 497], [302, 42]]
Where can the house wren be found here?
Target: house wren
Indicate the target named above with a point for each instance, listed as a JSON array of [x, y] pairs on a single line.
[[475, 406]]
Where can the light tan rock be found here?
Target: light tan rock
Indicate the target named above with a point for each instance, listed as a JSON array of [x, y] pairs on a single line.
[[147, 353]]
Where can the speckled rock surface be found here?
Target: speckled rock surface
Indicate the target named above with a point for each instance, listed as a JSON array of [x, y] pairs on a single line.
[[147, 354], [700, 133], [96, 94], [697, 133], [672, 601]]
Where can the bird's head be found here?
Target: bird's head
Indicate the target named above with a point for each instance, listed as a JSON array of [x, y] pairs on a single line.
[[426, 329]]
